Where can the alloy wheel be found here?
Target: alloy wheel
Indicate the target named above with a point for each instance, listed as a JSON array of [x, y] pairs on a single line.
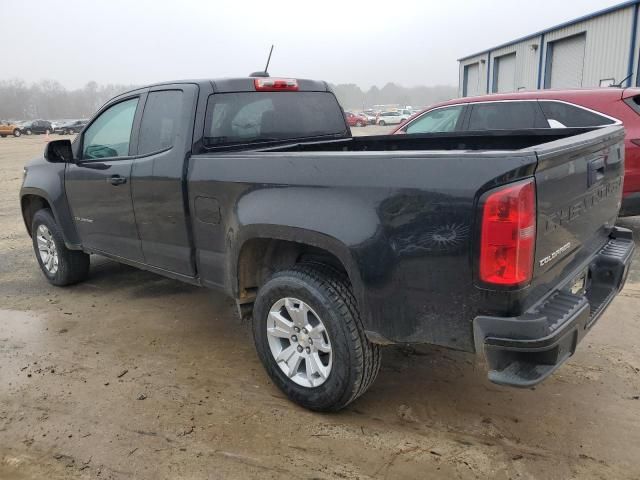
[[299, 342]]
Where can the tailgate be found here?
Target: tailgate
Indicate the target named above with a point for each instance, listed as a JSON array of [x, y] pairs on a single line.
[[579, 190]]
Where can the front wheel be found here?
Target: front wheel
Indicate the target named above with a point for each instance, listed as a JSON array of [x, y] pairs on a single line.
[[310, 338], [17, 133], [59, 265], [28, 132]]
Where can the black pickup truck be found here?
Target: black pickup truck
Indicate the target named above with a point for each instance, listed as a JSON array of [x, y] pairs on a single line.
[[498, 243]]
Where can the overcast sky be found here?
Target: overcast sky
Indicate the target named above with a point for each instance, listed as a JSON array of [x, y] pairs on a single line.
[[347, 41]]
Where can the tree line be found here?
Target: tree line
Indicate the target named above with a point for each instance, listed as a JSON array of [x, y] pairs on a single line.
[[48, 99]]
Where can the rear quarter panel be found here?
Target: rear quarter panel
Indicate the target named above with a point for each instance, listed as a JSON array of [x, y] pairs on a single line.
[[401, 222]]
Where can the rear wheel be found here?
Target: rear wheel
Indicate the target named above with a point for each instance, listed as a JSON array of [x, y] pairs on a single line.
[[28, 132], [359, 124], [310, 339], [46, 132], [3, 136], [17, 133], [382, 123], [60, 265]]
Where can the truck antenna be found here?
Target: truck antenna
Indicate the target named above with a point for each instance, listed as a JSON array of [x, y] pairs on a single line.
[[264, 73], [266, 67]]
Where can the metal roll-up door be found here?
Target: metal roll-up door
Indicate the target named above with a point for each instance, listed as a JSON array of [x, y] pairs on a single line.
[[471, 84], [505, 73], [566, 62]]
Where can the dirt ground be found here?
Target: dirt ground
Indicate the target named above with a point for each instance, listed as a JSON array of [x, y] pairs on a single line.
[[130, 375]]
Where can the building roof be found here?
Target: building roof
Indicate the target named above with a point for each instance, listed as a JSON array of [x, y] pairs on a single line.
[[599, 13]]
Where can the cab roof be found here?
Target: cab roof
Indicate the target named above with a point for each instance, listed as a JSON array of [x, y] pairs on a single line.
[[238, 84]]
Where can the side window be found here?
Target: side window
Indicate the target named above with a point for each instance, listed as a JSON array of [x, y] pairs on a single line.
[[502, 116], [564, 115], [439, 120], [110, 134], [160, 121]]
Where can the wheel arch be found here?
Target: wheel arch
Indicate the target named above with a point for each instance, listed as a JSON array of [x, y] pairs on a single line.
[[30, 203], [258, 256], [33, 199]]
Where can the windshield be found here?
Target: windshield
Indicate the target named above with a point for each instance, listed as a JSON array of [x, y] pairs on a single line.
[[254, 116]]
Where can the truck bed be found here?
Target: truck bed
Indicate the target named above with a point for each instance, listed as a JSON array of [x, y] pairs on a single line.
[[400, 212], [482, 140]]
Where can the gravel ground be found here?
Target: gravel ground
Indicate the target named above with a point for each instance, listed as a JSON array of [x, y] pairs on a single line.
[[130, 375]]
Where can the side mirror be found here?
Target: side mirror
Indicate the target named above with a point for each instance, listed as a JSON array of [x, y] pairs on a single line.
[[58, 151]]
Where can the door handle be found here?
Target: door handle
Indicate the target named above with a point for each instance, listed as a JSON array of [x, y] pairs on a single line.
[[117, 179]]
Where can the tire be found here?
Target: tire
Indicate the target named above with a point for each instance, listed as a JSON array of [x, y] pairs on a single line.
[[28, 132], [17, 133], [46, 132], [72, 265], [359, 124], [69, 132], [354, 361], [3, 136], [382, 123]]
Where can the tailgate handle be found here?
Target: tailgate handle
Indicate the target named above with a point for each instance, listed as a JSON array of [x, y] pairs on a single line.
[[596, 171]]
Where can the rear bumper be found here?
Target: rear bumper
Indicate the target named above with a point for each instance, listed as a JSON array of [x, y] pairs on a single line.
[[522, 351], [630, 205]]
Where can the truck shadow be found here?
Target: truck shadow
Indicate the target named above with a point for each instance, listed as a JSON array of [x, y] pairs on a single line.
[[110, 276]]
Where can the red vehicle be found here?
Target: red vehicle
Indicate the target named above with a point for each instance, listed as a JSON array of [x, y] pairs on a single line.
[[545, 109], [356, 120]]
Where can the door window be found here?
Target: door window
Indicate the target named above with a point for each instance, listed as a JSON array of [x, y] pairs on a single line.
[[564, 115], [439, 120], [160, 121], [110, 134], [503, 116]]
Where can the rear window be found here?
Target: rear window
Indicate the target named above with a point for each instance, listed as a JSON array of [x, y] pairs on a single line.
[[160, 121], [263, 116], [571, 115], [634, 103], [503, 116]]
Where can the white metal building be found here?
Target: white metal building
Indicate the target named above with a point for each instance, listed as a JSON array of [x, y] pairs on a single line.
[[600, 49]]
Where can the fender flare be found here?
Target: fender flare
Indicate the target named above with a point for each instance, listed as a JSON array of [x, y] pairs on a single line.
[[237, 240], [38, 192]]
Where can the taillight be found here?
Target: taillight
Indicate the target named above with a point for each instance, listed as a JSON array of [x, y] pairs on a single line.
[[507, 240], [635, 141], [276, 84]]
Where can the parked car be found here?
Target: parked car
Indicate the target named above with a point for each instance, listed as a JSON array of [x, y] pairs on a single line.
[[594, 107], [70, 128], [9, 128], [36, 126], [335, 244], [355, 120], [391, 118], [371, 116]]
